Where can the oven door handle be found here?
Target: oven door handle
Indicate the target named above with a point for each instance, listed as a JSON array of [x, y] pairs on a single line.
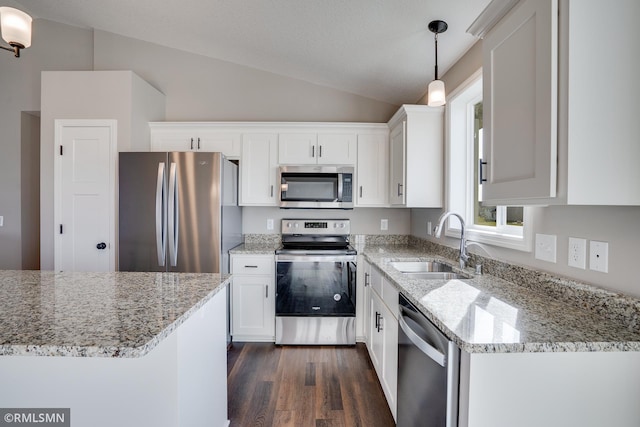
[[314, 258]]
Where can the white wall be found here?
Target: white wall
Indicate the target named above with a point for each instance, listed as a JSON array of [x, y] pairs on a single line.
[[363, 220], [619, 226], [55, 47]]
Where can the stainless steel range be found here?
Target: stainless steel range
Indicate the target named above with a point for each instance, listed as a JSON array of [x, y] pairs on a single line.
[[315, 283]]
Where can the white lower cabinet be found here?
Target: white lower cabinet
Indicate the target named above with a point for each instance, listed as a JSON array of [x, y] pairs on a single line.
[[253, 297], [382, 334]]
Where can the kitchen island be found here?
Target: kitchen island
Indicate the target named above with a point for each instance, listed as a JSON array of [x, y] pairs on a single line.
[[118, 348]]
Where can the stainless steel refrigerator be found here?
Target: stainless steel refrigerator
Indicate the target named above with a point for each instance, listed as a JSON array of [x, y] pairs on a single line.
[[178, 212]]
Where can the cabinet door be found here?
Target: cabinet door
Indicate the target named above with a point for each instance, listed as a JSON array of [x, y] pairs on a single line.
[[226, 143], [397, 146], [253, 308], [297, 148], [373, 170], [520, 104], [172, 140], [258, 170], [337, 149], [377, 338]]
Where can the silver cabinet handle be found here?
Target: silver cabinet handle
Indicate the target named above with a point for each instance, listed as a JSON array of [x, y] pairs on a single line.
[[271, 190], [192, 143], [250, 266], [424, 346], [320, 151], [400, 189], [161, 223], [361, 191], [174, 215], [313, 151], [266, 291], [366, 279]]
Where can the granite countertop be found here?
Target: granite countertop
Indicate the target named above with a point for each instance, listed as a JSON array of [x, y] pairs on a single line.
[[121, 314], [486, 314]]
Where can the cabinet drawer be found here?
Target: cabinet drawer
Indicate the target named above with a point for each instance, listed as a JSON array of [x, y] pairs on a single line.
[[253, 265]]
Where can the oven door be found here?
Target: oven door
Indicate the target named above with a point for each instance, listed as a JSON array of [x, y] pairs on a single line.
[[308, 285], [315, 299]]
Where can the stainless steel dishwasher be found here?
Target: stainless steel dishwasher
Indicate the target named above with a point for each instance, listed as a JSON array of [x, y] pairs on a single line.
[[428, 370]]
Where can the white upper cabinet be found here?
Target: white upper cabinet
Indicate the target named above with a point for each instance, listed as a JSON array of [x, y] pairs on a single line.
[[373, 169], [311, 148], [168, 136], [258, 169], [416, 168], [546, 72], [519, 103]]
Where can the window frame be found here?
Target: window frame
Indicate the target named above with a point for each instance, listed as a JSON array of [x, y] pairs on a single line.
[[460, 175]]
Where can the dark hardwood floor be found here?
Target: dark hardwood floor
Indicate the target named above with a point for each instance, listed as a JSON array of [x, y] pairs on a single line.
[[304, 386]]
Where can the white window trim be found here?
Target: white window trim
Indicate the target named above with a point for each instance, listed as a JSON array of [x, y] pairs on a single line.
[[459, 175]]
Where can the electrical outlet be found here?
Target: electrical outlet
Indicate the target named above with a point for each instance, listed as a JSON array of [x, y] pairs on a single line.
[[546, 247], [270, 224], [577, 253], [1, 221], [599, 256], [384, 224], [429, 229]]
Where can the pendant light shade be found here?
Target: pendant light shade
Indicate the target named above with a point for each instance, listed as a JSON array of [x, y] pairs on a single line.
[[436, 95], [15, 26]]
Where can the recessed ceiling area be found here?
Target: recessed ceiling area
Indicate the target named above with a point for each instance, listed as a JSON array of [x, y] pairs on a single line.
[[380, 49]]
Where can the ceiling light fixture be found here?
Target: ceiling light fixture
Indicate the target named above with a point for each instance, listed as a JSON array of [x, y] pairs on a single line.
[[436, 92], [15, 26]]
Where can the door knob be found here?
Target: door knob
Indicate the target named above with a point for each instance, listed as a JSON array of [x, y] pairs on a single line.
[[101, 245]]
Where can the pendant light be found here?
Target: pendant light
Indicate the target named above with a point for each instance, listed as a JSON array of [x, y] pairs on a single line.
[[15, 26], [436, 92]]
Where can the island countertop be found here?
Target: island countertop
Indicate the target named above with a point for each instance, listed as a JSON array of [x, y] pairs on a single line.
[[119, 314], [486, 314]]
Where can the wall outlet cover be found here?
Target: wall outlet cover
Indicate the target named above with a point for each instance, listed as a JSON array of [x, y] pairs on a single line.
[[599, 256], [546, 247], [429, 229], [269, 224], [577, 253], [384, 224]]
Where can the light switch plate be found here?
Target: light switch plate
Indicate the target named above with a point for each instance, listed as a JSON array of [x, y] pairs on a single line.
[[429, 229], [270, 224], [1, 221], [546, 247], [577, 253], [384, 224], [599, 256]]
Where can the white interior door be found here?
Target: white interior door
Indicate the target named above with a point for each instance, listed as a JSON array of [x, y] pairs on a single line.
[[85, 195]]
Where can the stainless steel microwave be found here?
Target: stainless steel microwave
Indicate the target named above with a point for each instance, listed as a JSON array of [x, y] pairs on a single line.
[[316, 187]]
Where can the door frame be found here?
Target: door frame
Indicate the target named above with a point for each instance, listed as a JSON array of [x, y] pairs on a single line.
[[59, 125]]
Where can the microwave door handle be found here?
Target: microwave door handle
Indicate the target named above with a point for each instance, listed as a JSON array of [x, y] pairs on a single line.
[[339, 199]]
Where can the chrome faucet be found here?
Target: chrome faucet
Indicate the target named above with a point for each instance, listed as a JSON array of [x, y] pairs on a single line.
[[463, 241]]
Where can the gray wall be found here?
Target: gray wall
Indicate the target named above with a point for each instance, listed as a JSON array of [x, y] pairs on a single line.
[[55, 47], [363, 220], [619, 226], [202, 88]]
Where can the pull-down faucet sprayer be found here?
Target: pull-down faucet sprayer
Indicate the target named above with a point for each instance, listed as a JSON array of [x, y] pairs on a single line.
[[463, 241]]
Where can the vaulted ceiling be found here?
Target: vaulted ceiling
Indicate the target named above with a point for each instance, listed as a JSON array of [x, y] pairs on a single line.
[[380, 49]]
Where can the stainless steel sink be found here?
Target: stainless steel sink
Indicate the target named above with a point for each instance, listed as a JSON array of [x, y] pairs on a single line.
[[420, 266], [434, 275]]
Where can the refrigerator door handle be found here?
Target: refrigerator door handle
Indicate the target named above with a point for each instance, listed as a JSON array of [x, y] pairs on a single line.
[[161, 225], [174, 215]]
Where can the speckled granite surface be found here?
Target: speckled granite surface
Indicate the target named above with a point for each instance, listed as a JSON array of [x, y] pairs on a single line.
[[487, 314], [122, 314]]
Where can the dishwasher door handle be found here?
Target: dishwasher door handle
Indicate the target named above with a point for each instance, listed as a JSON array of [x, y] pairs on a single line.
[[424, 346]]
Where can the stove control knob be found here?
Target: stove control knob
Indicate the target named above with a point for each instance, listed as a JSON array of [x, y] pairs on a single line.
[[288, 225], [296, 225]]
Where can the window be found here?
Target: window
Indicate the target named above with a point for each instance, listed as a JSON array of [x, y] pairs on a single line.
[[496, 225]]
